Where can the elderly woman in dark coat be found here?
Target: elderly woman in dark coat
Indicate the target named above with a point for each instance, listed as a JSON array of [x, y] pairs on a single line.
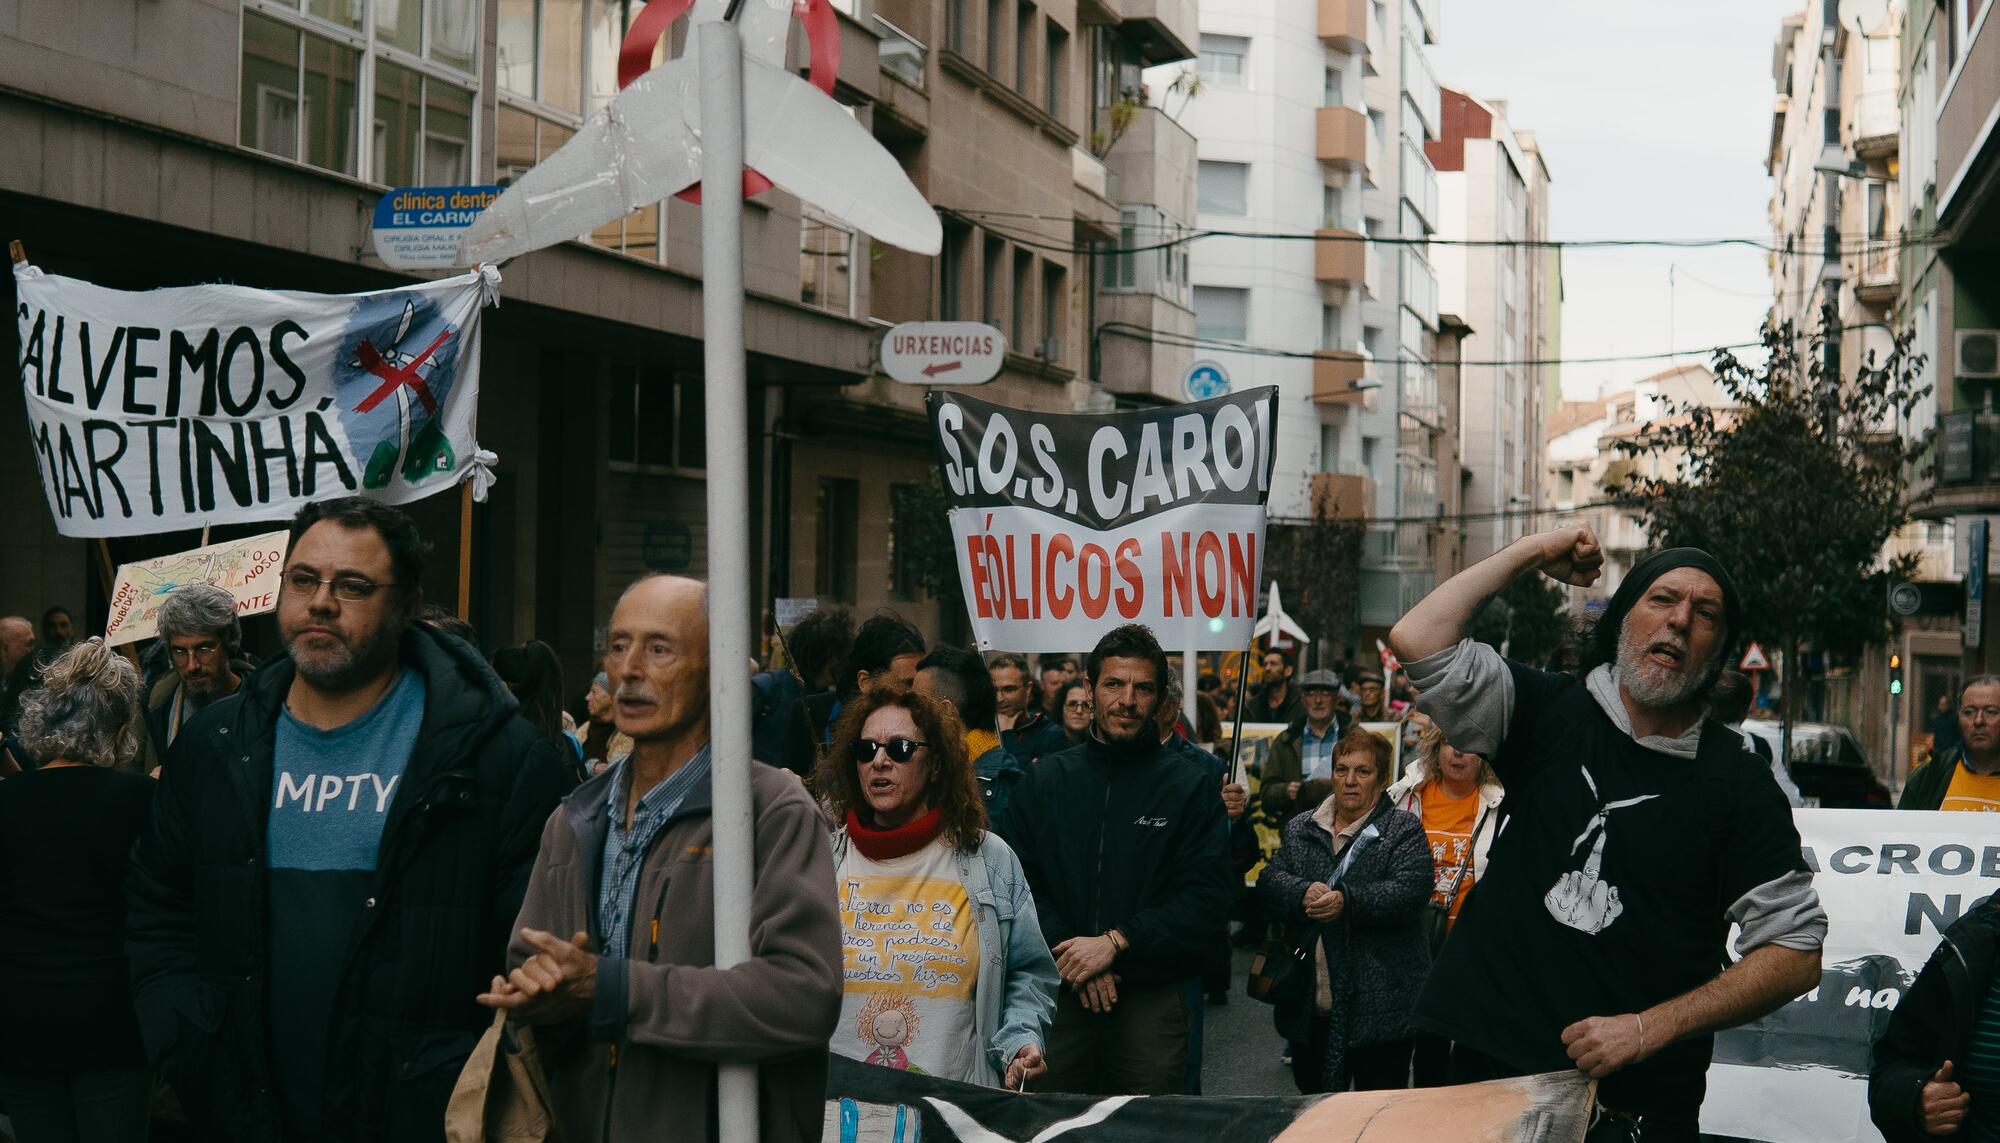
[[1350, 883]]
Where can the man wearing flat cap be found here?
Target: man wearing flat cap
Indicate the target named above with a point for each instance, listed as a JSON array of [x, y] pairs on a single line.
[[1639, 830], [1304, 750]]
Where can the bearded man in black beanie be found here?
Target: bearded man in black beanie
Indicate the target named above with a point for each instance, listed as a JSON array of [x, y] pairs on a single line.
[[1638, 830]]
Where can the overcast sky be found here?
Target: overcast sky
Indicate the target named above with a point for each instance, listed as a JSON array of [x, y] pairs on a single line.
[[1654, 120]]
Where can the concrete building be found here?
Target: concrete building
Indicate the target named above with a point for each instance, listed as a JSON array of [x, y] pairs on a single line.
[[1493, 187], [201, 140], [1312, 127], [1585, 469]]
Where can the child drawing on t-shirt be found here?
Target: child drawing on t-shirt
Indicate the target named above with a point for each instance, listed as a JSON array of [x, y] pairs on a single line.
[[889, 1022]]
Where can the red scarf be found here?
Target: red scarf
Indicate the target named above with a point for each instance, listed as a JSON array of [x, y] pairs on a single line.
[[888, 844]]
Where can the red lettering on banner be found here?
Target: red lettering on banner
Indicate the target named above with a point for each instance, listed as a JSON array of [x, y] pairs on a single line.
[[1093, 602], [1175, 573], [1242, 574], [996, 575], [1128, 567], [1205, 549], [978, 566], [1060, 600], [1034, 576], [1017, 606]]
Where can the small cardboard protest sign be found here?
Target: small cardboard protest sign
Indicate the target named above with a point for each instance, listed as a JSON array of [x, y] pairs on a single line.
[[247, 569]]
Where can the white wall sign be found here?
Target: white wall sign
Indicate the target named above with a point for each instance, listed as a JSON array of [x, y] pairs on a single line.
[[943, 352]]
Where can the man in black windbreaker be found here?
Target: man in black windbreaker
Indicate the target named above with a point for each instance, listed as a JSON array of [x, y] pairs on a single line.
[[336, 857], [1938, 1061], [1125, 846]]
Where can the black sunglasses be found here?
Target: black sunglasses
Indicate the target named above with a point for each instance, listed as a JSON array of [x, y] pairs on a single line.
[[900, 750]]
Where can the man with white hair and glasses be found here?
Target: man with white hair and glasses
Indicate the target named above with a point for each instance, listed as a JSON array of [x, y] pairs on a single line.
[[1638, 831]]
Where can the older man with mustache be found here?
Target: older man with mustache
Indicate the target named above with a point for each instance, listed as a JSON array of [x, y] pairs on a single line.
[[1638, 831]]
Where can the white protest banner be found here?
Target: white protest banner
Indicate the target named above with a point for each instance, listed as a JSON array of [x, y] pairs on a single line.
[[177, 408], [1066, 526], [1891, 883], [247, 569]]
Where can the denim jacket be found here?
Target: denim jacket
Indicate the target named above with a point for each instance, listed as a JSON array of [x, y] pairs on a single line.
[[1015, 998]]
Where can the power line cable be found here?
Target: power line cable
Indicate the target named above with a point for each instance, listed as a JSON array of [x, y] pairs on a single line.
[[1188, 341]]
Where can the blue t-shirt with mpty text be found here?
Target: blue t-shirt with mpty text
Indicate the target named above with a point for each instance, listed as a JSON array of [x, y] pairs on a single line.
[[330, 796]]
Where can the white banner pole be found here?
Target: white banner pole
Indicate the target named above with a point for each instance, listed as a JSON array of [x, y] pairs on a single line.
[[729, 578]]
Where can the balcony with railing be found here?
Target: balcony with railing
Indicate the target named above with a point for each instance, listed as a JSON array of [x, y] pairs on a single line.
[[1877, 122], [1965, 478], [1420, 182], [1879, 270], [902, 107], [1421, 83], [1343, 24], [1345, 139], [1344, 375], [1093, 198], [1151, 160], [1342, 496], [1164, 30], [1420, 287], [1340, 254]]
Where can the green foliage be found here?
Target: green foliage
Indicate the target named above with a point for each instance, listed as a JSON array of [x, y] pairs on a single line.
[[1528, 616], [1795, 490], [923, 539], [1317, 564]]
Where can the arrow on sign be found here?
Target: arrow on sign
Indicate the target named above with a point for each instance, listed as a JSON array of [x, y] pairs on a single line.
[[940, 367]]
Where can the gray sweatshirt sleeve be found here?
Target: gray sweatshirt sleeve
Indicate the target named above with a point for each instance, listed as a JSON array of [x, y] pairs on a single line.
[[1784, 911], [1468, 690]]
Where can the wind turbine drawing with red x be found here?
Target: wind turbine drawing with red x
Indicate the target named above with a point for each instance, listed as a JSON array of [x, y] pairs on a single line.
[[398, 373]]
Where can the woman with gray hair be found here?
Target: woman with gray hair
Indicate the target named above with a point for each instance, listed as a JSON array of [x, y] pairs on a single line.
[[72, 1066]]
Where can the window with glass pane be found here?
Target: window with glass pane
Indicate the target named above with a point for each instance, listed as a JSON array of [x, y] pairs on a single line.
[[1224, 187], [328, 103], [1121, 271], [692, 448], [624, 410], [1221, 313], [514, 142], [346, 13], [1055, 300], [825, 264], [953, 259], [455, 32], [906, 503], [1022, 311], [1332, 324], [996, 277], [656, 421], [447, 134], [270, 97], [1024, 31], [1221, 59], [515, 65], [399, 23], [398, 124], [1335, 94], [1056, 60], [550, 136], [560, 53]]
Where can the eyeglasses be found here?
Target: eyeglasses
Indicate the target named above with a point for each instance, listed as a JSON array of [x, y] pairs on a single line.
[[1975, 713], [901, 750], [198, 651], [346, 588], [1078, 707]]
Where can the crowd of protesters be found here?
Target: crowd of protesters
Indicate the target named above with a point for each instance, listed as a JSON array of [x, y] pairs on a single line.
[[331, 895]]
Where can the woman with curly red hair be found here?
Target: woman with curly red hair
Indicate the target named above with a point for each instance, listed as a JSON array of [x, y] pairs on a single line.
[[925, 892]]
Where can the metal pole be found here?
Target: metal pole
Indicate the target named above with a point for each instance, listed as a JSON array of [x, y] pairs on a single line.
[[1190, 674], [729, 635]]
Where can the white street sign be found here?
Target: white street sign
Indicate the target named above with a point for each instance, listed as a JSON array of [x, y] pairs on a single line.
[[951, 353]]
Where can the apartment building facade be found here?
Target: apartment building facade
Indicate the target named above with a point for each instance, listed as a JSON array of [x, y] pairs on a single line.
[[1493, 198], [1311, 129], [223, 140]]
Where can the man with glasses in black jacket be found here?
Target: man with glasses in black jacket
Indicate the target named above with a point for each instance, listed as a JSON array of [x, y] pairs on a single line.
[[1124, 843]]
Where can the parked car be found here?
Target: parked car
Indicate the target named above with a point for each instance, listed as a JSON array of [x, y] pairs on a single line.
[[1827, 765]]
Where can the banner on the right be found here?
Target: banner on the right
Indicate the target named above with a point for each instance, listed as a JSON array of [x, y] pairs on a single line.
[[1890, 882]]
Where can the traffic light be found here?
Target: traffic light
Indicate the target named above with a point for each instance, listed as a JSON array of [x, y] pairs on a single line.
[[1895, 674]]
